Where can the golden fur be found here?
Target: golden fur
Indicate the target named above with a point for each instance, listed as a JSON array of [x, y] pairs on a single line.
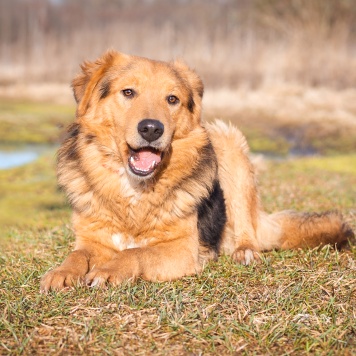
[[162, 219]]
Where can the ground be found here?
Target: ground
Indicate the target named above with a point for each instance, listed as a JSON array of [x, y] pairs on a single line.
[[296, 302]]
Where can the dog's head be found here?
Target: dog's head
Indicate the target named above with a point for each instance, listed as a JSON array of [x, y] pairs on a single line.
[[137, 107]]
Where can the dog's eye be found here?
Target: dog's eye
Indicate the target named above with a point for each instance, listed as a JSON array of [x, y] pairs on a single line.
[[172, 99], [129, 93]]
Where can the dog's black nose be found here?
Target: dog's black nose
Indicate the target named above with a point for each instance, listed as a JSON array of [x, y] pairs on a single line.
[[150, 129]]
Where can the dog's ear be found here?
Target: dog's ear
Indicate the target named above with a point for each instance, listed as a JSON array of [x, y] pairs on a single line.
[[84, 83], [191, 77]]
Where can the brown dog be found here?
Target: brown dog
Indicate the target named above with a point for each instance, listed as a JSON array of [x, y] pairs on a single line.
[[155, 192]]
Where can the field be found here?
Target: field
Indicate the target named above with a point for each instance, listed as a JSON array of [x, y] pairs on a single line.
[[284, 72], [293, 302]]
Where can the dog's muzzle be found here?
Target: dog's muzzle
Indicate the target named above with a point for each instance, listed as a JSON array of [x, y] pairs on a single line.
[[144, 160]]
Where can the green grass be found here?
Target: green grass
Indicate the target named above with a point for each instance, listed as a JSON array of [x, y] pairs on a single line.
[[269, 133], [296, 302], [309, 184], [29, 198], [334, 164], [260, 142], [31, 122]]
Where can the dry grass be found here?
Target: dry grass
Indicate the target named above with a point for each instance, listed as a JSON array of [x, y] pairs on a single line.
[[294, 302], [44, 92], [292, 118], [232, 43], [287, 103]]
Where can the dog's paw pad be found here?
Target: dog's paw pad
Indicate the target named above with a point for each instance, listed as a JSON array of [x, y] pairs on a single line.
[[245, 256]]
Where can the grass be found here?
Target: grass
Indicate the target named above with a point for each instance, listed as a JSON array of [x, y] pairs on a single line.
[[284, 118], [36, 122], [309, 184], [300, 301], [294, 302], [29, 197]]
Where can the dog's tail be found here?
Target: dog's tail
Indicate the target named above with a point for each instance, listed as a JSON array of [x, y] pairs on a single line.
[[291, 230]]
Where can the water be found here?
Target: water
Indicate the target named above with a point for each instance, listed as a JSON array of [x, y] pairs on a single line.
[[11, 157]]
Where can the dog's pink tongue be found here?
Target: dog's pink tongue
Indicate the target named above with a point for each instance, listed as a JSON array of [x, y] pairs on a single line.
[[145, 159]]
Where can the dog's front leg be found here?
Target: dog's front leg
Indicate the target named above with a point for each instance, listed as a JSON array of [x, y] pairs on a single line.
[[162, 262], [69, 273], [74, 268]]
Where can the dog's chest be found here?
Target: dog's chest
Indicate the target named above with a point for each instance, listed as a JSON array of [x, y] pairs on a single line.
[[123, 241], [142, 214]]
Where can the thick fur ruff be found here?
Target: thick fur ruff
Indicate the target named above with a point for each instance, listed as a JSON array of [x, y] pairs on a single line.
[[155, 192]]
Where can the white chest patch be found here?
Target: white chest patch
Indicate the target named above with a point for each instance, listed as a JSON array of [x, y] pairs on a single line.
[[124, 242]]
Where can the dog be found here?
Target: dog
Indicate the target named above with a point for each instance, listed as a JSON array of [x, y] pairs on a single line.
[[157, 193]]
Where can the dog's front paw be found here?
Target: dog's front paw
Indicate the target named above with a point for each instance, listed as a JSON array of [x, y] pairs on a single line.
[[60, 279], [100, 277], [245, 256]]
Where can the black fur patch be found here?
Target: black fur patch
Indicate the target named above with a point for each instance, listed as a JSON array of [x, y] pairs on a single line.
[[212, 218], [70, 142], [207, 161], [191, 103], [73, 131], [104, 89], [201, 91]]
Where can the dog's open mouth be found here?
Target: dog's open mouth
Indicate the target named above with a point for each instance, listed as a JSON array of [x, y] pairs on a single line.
[[144, 161]]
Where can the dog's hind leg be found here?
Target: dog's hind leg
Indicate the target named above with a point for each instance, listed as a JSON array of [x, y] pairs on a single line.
[[237, 179], [249, 229]]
